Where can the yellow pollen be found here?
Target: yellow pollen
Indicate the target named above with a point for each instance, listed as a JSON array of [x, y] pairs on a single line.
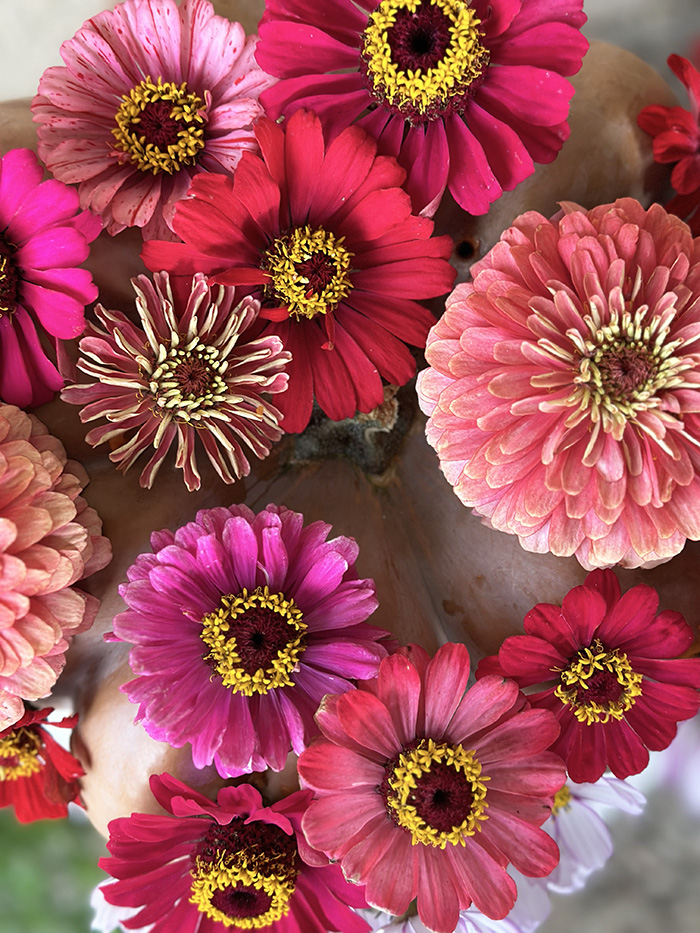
[[562, 800], [599, 685], [19, 755]]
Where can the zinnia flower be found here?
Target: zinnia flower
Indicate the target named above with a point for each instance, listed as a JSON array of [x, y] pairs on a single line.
[[563, 388], [151, 93], [608, 669], [466, 95], [38, 777], [676, 133], [43, 237], [187, 372], [49, 539], [242, 623], [235, 863], [423, 789], [326, 238]]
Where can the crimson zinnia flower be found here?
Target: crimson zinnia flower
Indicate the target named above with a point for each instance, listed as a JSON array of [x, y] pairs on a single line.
[[466, 94], [425, 789], [610, 673], [325, 238], [235, 864], [38, 777]]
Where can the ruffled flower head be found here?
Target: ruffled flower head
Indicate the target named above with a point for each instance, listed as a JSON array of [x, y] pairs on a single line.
[[608, 667], [188, 372], [563, 391], [49, 539], [151, 94], [234, 864], [423, 789], [43, 238], [466, 95], [325, 238], [241, 624]]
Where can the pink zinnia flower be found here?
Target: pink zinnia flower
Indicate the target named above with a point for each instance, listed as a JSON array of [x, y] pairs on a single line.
[[49, 539], [423, 789], [607, 666], [43, 237], [188, 372], [151, 93], [466, 95], [324, 236], [242, 623], [563, 388], [235, 863], [676, 133]]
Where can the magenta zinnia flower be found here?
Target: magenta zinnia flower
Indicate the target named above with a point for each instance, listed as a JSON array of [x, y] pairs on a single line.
[[466, 95], [611, 674], [242, 623], [326, 238], [676, 133], [231, 864], [187, 372], [563, 389], [423, 789], [43, 237], [151, 94]]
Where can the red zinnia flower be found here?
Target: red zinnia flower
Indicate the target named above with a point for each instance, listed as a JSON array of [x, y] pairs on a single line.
[[326, 238], [611, 672], [37, 776]]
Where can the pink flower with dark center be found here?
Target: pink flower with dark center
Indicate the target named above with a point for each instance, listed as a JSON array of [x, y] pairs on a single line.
[[151, 94], [563, 392], [423, 789], [608, 667], [187, 372], [234, 864], [43, 238], [466, 95]]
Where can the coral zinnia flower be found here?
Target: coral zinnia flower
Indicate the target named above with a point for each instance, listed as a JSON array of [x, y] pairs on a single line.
[[676, 135], [563, 393], [38, 777], [151, 93], [43, 237], [231, 864], [467, 95], [185, 373], [611, 674], [426, 790], [49, 539], [242, 623], [327, 238]]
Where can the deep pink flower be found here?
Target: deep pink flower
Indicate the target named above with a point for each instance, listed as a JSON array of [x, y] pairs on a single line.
[[231, 864], [151, 94], [466, 95], [242, 623], [188, 372], [563, 389], [423, 789], [43, 237], [49, 539], [611, 674], [325, 238], [676, 133]]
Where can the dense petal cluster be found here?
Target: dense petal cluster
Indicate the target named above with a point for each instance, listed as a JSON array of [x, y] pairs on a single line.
[[608, 667], [151, 93], [43, 238], [467, 95], [423, 789], [49, 539], [189, 371], [325, 238], [563, 391]]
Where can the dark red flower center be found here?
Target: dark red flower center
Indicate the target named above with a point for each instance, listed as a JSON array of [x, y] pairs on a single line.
[[194, 377], [599, 684], [442, 797], [261, 635], [157, 126], [240, 901], [9, 278], [420, 39], [625, 370]]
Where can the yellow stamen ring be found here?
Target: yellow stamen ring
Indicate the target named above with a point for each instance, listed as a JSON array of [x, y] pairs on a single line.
[[19, 755], [599, 685]]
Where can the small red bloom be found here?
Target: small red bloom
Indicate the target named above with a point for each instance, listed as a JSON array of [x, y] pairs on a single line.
[[611, 672], [38, 777]]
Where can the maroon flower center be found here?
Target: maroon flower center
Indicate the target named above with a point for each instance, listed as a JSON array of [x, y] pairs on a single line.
[[599, 684], [194, 377], [442, 797], [261, 635], [626, 370], [9, 279], [420, 39], [157, 126], [240, 901]]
